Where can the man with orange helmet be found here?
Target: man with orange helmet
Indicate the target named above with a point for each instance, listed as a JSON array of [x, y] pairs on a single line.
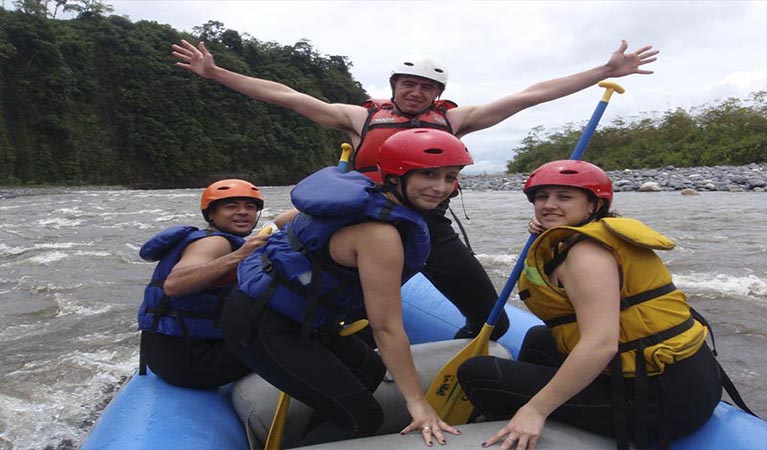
[[417, 82], [180, 338]]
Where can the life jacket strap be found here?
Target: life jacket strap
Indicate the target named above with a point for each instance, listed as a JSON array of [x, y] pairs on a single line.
[[626, 302], [460, 227], [727, 383], [641, 400], [561, 255], [657, 338], [180, 315], [620, 416], [732, 391], [300, 289], [141, 355]]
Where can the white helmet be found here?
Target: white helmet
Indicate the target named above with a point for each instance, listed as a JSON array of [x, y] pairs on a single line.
[[422, 66]]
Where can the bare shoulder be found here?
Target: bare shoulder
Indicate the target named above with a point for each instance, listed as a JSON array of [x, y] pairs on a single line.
[[210, 247], [588, 258], [375, 242], [589, 248], [372, 233]]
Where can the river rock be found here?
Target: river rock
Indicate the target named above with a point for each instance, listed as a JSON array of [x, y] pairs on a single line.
[[649, 186], [750, 178]]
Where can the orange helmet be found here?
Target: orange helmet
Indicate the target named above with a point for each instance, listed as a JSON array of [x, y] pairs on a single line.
[[231, 188]]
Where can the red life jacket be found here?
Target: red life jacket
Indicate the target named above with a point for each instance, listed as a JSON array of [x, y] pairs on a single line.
[[384, 120]]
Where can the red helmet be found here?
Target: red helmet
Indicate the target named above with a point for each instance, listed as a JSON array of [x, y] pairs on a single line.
[[569, 172], [230, 189], [420, 148]]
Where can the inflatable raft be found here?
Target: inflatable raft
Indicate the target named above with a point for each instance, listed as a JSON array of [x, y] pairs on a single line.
[[149, 414]]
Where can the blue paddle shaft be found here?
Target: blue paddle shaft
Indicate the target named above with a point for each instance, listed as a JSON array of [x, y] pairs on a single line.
[[492, 319], [580, 147]]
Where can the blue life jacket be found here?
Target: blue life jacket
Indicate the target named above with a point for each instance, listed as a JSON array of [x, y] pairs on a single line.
[[294, 274], [194, 315]]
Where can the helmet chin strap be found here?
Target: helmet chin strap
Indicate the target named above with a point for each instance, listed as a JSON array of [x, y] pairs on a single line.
[[401, 193]]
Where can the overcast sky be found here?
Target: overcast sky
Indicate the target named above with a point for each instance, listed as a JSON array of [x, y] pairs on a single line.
[[710, 50]]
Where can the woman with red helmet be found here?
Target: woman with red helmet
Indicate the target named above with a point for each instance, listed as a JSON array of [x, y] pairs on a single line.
[[180, 338], [350, 244], [620, 345]]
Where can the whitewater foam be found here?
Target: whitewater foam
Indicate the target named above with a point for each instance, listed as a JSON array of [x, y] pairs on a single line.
[[722, 284]]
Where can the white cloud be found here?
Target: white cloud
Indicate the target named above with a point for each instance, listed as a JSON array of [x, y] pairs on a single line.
[[745, 80], [709, 50]]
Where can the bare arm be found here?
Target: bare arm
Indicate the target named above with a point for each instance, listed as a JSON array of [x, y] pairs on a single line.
[[468, 119], [284, 217], [376, 250], [346, 118], [588, 266], [206, 261]]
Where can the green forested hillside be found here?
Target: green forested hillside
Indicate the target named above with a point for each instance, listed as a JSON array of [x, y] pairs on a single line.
[[98, 100], [730, 132]]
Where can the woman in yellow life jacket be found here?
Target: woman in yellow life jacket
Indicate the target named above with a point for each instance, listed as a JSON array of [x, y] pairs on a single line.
[[621, 353]]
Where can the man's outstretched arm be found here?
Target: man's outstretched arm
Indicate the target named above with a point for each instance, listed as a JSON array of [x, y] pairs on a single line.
[[346, 118], [468, 119]]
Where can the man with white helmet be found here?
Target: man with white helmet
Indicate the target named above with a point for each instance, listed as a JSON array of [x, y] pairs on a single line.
[[417, 83]]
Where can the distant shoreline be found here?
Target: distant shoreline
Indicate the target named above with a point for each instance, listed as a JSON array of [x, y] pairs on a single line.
[[751, 177]]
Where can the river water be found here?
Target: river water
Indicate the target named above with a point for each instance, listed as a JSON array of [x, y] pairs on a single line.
[[71, 280]]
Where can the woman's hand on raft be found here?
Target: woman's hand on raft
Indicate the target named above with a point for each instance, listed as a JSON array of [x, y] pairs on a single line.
[[427, 422], [521, 432]]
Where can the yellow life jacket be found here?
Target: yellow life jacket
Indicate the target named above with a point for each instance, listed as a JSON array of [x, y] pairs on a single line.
[[655, 317]]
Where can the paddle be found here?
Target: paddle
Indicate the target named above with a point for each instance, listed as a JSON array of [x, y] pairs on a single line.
[[445, 394], [346, 153], [277, 428]]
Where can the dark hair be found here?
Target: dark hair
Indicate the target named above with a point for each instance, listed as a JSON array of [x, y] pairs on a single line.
[[603, 211]]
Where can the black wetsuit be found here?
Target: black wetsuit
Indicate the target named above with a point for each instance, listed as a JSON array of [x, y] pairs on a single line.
[[334, 375], [685, 394]]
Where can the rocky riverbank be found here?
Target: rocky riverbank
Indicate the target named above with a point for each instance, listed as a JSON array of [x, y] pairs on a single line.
[[752, 177]]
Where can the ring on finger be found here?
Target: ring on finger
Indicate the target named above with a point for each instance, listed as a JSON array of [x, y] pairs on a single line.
[[427, 428]]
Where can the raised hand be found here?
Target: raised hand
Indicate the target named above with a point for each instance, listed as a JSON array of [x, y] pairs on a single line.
[[622, 63], [197, 59]]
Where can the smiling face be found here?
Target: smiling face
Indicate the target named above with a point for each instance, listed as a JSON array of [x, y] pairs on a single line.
[[427, 188], [562, 205], [414, 94], [235, 216]]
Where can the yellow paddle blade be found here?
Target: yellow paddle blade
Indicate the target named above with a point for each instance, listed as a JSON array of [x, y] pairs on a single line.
[[353, 327], [445, 394], [277, 429]]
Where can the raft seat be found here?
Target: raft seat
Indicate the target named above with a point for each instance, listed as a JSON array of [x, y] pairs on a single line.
[[255, 400]]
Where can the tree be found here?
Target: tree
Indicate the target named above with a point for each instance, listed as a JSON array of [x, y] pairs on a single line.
[[210, 31], [86, 8], [32, 7]]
